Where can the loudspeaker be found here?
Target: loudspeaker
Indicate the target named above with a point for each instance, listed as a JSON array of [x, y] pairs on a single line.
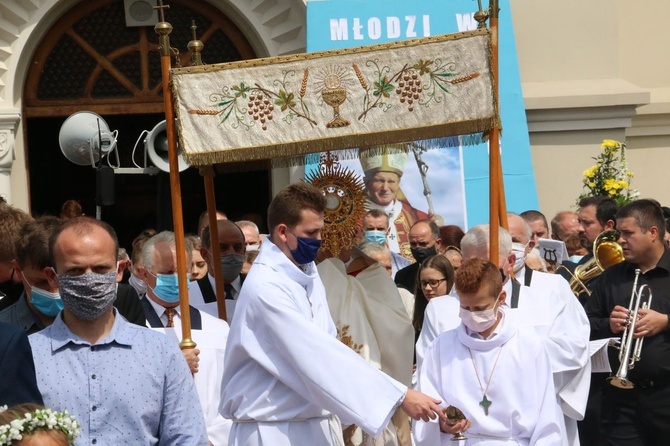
[[104, 181], [140, 12], [156, 146], [84, 138]]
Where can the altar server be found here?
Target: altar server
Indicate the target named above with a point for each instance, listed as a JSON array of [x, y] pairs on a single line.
[[549, 306], [491, 367], [287, 378]]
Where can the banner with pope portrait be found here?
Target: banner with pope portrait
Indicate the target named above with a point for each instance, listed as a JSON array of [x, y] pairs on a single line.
[[457, 174]]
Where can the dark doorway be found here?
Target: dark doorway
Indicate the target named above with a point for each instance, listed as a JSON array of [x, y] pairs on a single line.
[[142, 201]]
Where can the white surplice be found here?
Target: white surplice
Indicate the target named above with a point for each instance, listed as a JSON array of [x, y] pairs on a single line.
[[286, 373], [196, 299], [550, 307], [523, 408], [211, 341]]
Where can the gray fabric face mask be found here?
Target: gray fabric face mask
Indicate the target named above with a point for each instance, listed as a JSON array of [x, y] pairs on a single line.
[[231, 266], [89, 295]]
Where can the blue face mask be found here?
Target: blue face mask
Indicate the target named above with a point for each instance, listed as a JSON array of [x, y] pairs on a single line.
[[47, 303], [167, 287], [375, 236], [307, 249]]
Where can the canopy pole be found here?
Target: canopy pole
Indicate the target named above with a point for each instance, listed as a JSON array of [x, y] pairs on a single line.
[[196, 46], [497, 205], [163, 29]]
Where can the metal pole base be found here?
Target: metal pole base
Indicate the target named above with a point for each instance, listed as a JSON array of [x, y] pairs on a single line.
[[621, 383]]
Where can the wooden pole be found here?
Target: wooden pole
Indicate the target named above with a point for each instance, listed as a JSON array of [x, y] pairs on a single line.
[[208, 177], [163, 29], [497, 210], [207, 172]]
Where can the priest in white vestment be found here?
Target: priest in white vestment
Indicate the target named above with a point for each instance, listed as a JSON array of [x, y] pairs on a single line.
[[287, 378], [163, 314], [549, 306], [371, 319], [492, 368]]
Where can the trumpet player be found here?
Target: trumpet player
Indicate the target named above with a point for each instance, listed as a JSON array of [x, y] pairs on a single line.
[[637, 416]]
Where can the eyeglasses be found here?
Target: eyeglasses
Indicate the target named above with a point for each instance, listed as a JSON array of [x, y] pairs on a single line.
[[431, 283]]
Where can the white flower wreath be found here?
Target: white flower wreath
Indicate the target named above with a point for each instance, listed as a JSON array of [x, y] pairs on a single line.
[[40, 419]]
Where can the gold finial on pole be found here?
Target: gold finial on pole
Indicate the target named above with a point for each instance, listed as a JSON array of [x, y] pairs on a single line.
[[481, 16], [163, 29], [195, 46]]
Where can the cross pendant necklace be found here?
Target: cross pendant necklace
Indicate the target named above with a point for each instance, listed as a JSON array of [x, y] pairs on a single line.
[[485, 402]]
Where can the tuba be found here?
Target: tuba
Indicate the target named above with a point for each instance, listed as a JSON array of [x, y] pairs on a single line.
[[629, 351], [606, 252]]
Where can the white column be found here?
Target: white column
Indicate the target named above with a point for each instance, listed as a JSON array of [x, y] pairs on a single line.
[[9, 119]]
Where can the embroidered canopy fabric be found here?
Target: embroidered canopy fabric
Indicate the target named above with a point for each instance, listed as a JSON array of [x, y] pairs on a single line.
[[294, 105]]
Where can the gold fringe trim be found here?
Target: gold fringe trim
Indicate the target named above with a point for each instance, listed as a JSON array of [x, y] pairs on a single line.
[[301, 148]]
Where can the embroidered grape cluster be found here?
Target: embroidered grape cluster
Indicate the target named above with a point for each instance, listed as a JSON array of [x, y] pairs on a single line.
[[260, 109], [409, 88]]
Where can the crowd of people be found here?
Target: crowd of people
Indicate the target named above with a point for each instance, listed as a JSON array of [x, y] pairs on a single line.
[[412, 336]]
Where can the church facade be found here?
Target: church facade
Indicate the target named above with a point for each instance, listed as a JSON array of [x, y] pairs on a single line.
[[584, 77]]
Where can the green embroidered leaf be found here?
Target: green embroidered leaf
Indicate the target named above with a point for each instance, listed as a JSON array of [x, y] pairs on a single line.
[[285, 100], [423, 66], [445, 74], [383, 87], [241, 90]]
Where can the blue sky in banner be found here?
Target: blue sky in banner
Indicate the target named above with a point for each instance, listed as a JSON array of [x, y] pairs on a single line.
[[334, 24]]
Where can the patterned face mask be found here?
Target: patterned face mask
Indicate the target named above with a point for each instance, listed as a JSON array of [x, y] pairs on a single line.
[[89, 295]]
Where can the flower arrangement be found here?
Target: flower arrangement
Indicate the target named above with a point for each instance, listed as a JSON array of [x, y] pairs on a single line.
[[40, 419], [610, 175]]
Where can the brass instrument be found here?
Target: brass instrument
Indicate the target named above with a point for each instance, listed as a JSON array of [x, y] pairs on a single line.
[[606, 252], [629, 357]]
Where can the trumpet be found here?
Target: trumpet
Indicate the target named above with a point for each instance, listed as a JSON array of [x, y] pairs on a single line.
[[606, 252], [629, 352]]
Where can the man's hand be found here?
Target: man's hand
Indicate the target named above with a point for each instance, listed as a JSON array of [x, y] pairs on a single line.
[[650, 323], [453, 429], [618, 319], [420, 406], [191, 356]]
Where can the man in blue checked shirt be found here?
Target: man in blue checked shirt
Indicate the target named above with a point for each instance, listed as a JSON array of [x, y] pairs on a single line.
[[125, 384]]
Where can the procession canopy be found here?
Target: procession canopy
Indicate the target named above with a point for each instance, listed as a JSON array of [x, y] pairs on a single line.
[[290, 106]]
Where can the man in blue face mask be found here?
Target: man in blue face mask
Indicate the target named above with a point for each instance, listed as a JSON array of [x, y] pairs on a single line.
[[40, 302], [287, 376], [375, 230], [161, 308]]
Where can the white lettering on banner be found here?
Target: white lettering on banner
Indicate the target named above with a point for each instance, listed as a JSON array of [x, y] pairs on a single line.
[[392, 27], [411, 22], [357, 29], [338, 29], [466, 22], [374, 28]]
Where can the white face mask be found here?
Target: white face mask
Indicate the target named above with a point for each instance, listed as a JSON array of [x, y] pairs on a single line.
[[575, 259], [479, 321], [253, 247], [519, 251]]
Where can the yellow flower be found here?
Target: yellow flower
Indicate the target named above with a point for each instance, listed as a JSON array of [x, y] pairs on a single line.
[[610, 144], [630, 174], [612, 192], [590, 172], [610, 185], [592, 184]]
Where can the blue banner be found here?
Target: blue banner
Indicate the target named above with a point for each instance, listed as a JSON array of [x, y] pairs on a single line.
[[335, 24]]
